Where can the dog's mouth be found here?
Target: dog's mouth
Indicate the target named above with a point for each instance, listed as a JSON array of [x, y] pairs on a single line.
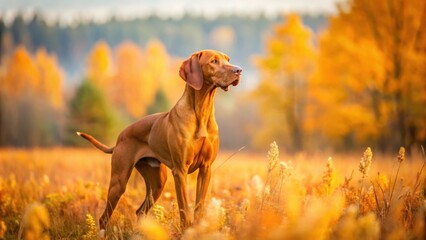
[[233, 83]]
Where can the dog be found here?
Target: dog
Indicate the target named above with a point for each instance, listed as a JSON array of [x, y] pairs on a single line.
[[184, 139]]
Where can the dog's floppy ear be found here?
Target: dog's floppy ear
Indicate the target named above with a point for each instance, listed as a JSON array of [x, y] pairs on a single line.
[[191, 72]]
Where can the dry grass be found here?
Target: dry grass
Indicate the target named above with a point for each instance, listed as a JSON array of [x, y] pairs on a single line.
[[60, 194]]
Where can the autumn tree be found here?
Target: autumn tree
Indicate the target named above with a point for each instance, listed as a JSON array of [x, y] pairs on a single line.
[[129, 88], [50, 78], [134, 79], [172, 85], [100, 66], [31, 99], [282, 93], [370, 85], [140, 75]]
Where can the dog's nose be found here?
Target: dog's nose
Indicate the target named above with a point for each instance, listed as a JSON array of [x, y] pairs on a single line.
[[237, 70]]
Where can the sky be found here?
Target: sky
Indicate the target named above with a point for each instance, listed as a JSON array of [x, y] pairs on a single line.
[[99, 10]]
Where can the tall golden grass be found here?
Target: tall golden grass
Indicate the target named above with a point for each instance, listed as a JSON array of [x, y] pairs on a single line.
[[60, 193]]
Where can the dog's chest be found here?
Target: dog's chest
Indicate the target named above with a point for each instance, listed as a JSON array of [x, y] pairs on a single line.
[[205, 151]]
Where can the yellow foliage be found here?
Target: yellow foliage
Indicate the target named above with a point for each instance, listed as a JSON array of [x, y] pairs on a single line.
[[51, 78], [3, 229], [285, 68], [22, 76], [383, 182], [137, 75], [99, 66], [371, 60], [148, 228], [91, 228], [27, 76], [353, 226], [128, 88], [292, 208], [36, 223], [173, 85]]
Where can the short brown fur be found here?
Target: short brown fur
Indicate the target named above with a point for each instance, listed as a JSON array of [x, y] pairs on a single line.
[[184, 139]]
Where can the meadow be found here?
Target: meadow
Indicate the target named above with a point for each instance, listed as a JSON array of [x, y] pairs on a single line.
[[59, 193]]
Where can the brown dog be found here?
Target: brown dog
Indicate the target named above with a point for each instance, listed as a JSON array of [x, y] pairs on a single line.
[[184, 139]]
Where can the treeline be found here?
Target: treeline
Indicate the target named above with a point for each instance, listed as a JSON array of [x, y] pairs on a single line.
[[119, 85], [239, 36], [120, 73], [359, 82]]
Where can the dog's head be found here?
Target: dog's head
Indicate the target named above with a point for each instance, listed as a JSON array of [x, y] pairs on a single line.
[[210, 67]]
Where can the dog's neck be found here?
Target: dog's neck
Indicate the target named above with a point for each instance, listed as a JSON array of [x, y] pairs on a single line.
[[201, 103]]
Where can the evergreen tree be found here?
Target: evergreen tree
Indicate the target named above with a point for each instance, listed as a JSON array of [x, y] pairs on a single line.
[[160, 103], [91, 113]]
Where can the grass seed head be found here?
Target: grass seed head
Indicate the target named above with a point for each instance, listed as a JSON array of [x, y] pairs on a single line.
[[273, 156], [286, 169], [365, 163], [401, 155], [327, 178]]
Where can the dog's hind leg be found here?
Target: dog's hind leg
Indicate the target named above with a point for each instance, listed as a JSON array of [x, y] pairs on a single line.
[[155, 177], [121, 168]]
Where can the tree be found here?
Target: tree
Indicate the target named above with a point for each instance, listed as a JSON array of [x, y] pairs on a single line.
[[282, 93], [2, 34], [138, 79], [21, 75], [139, 75], [99, 66], [162, 70], [173, 85], [370, 85], [129, 88], [51, 78], [31, 100], [90, 112], [160, 104], [20, 32]]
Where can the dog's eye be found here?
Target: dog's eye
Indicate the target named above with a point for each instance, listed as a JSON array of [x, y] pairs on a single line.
[[215, 61]]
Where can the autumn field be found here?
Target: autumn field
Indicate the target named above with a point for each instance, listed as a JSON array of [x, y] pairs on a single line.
[[60, 193], [324, 103]]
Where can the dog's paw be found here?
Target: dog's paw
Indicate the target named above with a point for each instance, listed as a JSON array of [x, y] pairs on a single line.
[[101, 234]]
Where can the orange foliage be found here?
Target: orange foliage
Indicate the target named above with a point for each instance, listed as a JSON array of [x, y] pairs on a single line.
[[127, 78], [31, 99], [370, 77], [51, 78], [173, 85], [39, 77], [21, 74], [137, 77], [134, 90], [99, 65], [285, 69]]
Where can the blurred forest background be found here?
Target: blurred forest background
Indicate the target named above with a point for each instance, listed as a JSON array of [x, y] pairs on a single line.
[[344, 81]]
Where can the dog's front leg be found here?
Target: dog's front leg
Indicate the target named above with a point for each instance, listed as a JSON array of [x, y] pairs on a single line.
[[179, 175], [203, 180]]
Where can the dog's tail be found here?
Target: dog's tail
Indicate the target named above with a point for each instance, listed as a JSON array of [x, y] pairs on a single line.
[[96, 143]]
